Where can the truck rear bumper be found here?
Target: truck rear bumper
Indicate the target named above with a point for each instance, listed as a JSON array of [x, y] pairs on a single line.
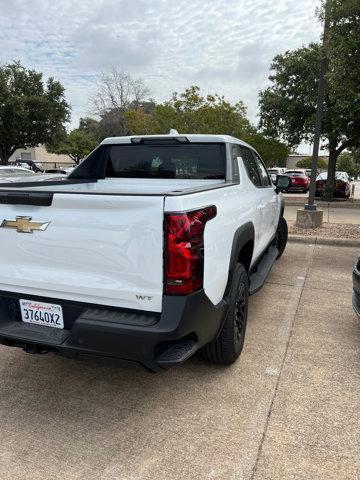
[[157, 341]]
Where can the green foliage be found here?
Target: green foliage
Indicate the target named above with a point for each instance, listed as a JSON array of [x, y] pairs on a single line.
[[273, 152], [342, 50], [306, 163], [190, 112], [31, 112], [77, 144], [287, 106], [140, 122], [91, 127], [346, 163]]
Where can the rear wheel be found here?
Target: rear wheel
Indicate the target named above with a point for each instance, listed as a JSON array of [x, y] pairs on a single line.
[[281, 237], [226, 348]]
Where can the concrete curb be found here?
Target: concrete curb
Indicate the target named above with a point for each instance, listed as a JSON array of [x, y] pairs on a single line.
[[340, 242]]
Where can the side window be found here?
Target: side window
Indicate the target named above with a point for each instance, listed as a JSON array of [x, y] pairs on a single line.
[[251, 166], [264, 176]]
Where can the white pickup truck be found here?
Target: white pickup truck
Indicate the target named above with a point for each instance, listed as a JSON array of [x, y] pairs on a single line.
[[146, 252]]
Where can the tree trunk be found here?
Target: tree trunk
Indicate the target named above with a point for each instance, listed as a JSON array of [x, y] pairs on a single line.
[[330, 183], [5, 154], [4, 157]]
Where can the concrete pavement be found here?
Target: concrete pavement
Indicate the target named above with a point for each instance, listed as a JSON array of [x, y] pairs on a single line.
[[289, 409], [331, 214]]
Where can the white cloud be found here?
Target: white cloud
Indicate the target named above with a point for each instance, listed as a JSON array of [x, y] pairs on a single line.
[[222, 45]]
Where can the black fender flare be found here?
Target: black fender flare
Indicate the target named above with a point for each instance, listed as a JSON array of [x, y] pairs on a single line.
[[242, 235]]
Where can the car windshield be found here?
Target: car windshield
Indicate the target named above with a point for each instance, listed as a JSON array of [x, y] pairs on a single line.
[[294, 173], [338, 176]]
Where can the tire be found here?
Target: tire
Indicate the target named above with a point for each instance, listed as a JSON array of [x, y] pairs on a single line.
[[281, 237], [228, 345]]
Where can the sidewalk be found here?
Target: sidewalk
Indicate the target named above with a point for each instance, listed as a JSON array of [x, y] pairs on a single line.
[[331, 214]]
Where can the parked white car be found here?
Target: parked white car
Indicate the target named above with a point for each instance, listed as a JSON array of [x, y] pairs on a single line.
[[274, 171], [11, 171], [14, 174], [148, 251]]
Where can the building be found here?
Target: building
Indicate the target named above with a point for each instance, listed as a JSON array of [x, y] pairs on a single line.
[[41, 155]]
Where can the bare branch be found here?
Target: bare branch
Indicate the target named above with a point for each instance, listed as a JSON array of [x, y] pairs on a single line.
[[117, 90]]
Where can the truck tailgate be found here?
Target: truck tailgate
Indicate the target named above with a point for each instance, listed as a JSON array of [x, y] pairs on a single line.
[[97, 249]]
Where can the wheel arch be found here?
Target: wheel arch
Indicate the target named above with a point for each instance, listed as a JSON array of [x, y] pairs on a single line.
[[242, 250]]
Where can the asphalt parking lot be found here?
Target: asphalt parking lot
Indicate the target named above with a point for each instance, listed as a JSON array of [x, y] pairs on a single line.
[[289, 409]]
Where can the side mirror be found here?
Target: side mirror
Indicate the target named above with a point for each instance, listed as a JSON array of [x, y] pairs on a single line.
[[282, 183]]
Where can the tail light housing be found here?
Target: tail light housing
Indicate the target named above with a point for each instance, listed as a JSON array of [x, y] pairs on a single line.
[[184, 250]]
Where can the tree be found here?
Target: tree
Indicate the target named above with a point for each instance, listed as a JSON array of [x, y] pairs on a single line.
[[306, 163], [77, 144], [287, 107], [91, 127], [346, 163], [273, 152], [140, 122], [31, 111], [190, 112], [116, 93]]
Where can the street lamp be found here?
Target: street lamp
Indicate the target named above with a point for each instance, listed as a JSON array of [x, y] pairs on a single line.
[[310, 217]]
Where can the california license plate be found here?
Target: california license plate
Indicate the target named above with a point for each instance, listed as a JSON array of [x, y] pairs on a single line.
[[40, 313]]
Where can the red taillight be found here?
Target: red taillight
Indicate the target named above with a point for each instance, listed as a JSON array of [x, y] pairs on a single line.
[[184, 250]]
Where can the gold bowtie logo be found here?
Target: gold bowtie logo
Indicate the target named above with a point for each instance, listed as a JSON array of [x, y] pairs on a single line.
[[24, 225]]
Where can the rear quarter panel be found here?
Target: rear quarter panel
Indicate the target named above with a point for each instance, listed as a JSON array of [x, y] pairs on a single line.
[[236, 205]]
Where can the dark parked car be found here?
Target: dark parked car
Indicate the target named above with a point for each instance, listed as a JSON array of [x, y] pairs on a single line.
[[356, 283], [300, 182], [342, 186]]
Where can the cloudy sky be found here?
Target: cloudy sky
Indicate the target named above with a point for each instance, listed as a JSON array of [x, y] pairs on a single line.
[[221, 45]]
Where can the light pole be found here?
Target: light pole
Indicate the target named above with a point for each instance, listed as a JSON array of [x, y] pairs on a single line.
[[310, 217], [311, 205]]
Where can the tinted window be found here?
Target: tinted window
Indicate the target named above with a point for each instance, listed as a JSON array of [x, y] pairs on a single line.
[[251, 167], [235, 149], [203, 161], [295, 173], [264, 176]]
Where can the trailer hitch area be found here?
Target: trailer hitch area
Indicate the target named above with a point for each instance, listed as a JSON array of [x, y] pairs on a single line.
[[28, 348]]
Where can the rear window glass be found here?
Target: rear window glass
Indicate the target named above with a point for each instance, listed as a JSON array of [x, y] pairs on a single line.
[[295, 174], [192, 161]]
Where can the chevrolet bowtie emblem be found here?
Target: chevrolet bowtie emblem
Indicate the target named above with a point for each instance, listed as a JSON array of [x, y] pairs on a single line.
[[24, 225]]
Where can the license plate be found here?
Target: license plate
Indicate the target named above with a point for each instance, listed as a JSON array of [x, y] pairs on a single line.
[[40, 313]]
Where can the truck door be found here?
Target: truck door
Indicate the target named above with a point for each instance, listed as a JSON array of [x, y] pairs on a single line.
[[271, 209], [264, 197]]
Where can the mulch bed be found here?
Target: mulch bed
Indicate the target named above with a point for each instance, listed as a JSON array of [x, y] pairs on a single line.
[[329, 230]]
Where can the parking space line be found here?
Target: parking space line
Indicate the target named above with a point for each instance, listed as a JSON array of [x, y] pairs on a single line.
[[291, 313]]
